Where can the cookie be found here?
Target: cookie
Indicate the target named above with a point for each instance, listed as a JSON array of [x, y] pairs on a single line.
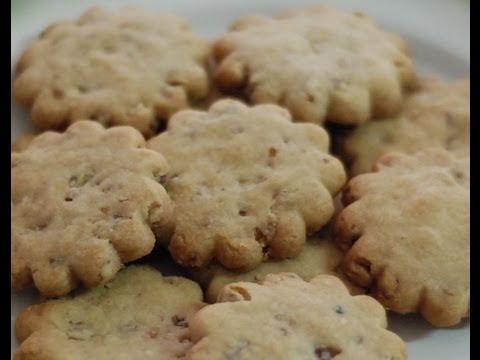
[[438, 114], [22, 142], [318, 256], [127, 67], [247, 183], [407, 231], [84, 202], [288, 318], [140, 315], [319, 62]]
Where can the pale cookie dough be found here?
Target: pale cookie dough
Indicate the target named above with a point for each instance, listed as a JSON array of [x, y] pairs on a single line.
[[84, 202], [319, 256], [288, 318], [437, 115], [320, 63], [22, 142], [140, 315], [407, 231], [127, 67], [248, 184]]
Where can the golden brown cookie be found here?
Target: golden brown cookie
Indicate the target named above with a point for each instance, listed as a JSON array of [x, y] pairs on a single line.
[[319, 256], [319, 62], [248, 184], [127, 67], [140, 315], [84, 202], [407, 231], [438, 114], [288, 318]]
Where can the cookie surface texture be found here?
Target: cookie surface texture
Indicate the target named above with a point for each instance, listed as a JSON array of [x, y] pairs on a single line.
[[319, 62], [293, 319], [127, 67], [318, 256], [407, 231], [438, 114], [22, 142], [140, 315], [84, 202], [247, 183]]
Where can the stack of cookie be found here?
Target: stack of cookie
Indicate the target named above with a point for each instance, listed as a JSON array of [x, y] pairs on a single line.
[[221, 153]]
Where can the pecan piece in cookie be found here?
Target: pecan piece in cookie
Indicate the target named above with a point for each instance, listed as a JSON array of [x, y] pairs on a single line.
[[83, 203], [407, 231], [248, 184]]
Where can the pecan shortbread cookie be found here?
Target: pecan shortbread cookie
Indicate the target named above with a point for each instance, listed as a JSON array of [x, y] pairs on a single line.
[[127, 67], [140, 315], [84, 202], [438, 114], [407, 231], [288, 318], [318, 256], [248, 184], [319, 62]]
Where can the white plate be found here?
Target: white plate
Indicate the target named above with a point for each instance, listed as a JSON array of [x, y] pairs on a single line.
[[438, 32]]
